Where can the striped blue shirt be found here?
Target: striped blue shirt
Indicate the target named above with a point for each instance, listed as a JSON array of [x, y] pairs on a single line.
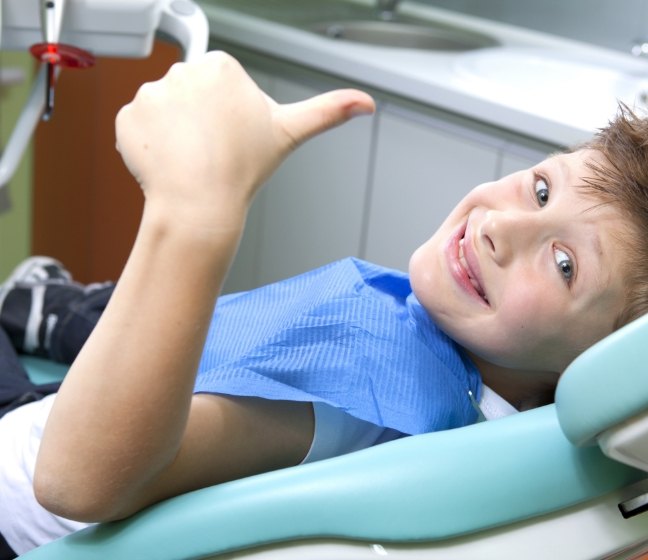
[[350, 334]]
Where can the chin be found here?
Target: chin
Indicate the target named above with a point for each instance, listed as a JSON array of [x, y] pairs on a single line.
[[414, 271], [423, 266], [414, 259]]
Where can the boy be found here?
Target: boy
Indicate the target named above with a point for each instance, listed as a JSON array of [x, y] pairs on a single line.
[[524, 274]]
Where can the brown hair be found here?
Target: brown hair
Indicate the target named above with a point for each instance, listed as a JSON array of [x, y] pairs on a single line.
[[621, 179]]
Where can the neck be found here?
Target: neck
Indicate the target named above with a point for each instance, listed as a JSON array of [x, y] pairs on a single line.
[[524, 389]]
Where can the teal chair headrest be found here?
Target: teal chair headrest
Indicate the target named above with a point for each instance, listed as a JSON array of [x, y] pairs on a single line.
[[606, 385]]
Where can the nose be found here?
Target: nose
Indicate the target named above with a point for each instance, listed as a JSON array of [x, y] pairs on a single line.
[[505, 233]]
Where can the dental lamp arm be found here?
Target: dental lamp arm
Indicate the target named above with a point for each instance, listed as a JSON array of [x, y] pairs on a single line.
[[187, 24], [181, 20]]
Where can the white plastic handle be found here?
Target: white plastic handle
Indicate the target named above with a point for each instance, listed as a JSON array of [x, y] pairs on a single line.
[[185, 22]]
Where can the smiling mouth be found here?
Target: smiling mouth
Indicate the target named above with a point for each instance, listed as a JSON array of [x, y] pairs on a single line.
[[471, 276]]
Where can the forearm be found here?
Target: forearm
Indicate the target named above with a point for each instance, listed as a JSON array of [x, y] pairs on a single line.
[[126, 398]]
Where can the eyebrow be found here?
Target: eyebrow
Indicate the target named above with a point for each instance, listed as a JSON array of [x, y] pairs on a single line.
[[565, 170], [596, 269], [596, 242]]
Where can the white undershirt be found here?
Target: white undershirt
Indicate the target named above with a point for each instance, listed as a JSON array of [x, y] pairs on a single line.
[[26, 525], [493, 406], [23, 522]]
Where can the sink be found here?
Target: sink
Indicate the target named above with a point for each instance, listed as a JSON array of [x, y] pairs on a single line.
[[362, 22], [404, 35]]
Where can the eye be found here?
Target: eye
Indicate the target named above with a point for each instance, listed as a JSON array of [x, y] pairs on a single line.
[[541, 191], [564, 263]]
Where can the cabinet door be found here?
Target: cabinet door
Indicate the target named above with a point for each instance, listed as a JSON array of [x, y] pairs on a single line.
[[421, 171], [86, 206], [312, 207]]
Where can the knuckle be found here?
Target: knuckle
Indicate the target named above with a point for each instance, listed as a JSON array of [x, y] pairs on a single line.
[[222, 61], [176, 70], [145, 91]]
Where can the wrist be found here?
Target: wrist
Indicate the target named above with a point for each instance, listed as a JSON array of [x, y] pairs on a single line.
[[196, 218], [201, 245]]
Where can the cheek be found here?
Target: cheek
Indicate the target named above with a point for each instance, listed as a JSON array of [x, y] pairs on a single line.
[[525, 332], [521, 308], [530, 308]]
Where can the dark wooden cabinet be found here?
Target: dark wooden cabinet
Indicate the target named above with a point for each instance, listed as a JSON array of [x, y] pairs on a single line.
[[86, 206]]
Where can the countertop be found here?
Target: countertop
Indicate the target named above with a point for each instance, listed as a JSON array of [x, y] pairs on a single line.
[[551, 89]]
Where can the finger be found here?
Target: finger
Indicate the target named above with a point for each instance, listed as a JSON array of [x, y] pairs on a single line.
[[305, 119]]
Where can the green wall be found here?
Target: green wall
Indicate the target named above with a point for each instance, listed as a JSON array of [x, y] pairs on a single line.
[[15, 202]]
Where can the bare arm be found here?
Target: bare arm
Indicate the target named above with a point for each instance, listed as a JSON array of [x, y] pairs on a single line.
[[125, 430]]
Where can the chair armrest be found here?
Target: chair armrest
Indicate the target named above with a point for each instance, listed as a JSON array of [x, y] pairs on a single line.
[[42, 371], [428, 487]]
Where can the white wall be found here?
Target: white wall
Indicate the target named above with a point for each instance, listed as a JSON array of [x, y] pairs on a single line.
[[614, 24]]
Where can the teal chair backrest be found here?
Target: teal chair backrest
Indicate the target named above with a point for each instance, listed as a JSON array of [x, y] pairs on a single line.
[[606, 385]]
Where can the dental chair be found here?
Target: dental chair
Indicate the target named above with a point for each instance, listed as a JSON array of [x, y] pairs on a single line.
[[565, 481]]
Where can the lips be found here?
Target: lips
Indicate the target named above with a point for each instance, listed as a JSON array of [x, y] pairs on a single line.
[[464, 264]]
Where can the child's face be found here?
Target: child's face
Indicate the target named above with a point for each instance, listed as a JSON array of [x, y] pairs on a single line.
[[526, 272]]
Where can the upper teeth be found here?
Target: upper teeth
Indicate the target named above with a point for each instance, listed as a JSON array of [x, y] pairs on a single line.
[[462, 259], [464, 264]]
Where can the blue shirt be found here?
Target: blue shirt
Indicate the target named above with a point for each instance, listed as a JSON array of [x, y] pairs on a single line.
[[350, 334]]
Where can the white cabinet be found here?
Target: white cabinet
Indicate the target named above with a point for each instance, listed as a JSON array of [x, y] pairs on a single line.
[[421, 170]]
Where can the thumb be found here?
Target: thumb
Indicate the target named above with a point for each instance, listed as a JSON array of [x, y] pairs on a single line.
[[305, 119]]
